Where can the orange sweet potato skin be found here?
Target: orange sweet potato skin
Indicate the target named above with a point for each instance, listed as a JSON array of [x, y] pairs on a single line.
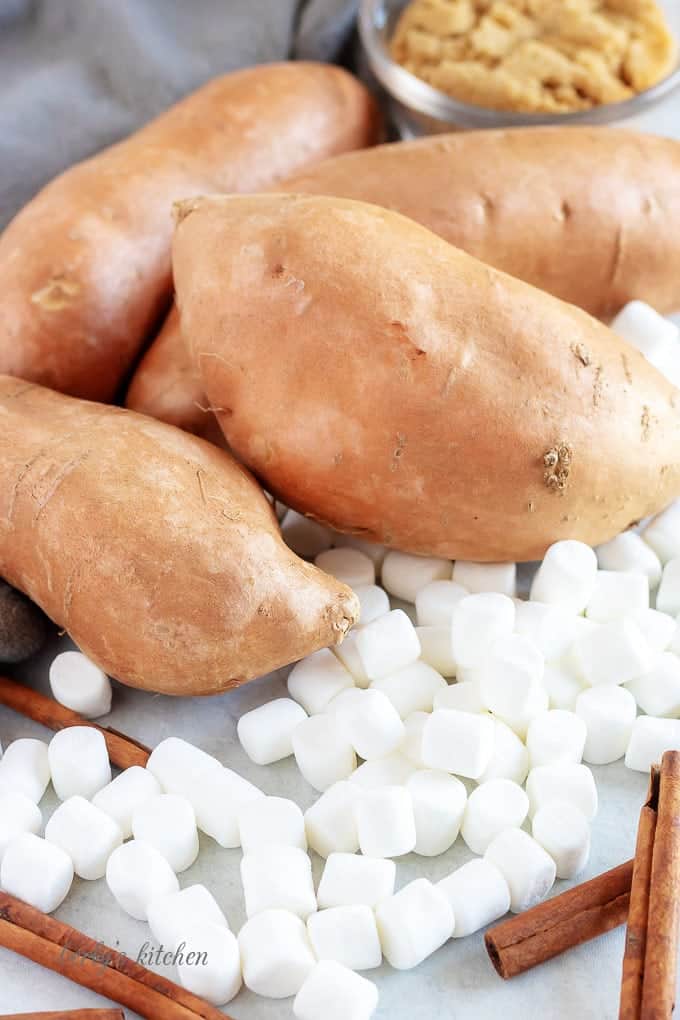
[[86, 264]]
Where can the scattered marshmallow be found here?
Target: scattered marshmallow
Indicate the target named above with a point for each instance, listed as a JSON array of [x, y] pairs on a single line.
[[556, 736], [36, 871], [168, 823], [404, 574], [79, 762], [509, 759], [648, 741], [640, 325], [657, 692], [414, 923], [373, 602], [436, 650], [393, 770], [411, 689], [180, 766], [387, 644], [668, 595], [171, 916], [278, 878], [349, 565], [24, 768], [346, 934], [217, 801], [330, 823], [266, 733], [657, 628], [566, 576], [269, 821], [124, 794], [435, 602], [549, 627], [80, 685], [563, 832], [464, 696], [276, 954], [525, 865], [18, 814], [385, 822], [210, 966], [86, 834], [609, 713], [478, 894], [347, 653], [314, 681], [136, 874], [333, 992], [629, 551], [563, 781], [520, 719], [371, 724], [497, 805], [411, 747], [458, 742], [617, 593], [477, 622], [348, 879], [479, 577], [322, 751], [615, 653], [562, 685], [509, 674], [438, 806], [663, 533], [373, 550], [304, 536]]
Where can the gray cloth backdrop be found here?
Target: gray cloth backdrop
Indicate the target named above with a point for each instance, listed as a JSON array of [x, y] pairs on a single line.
[[77, 75]]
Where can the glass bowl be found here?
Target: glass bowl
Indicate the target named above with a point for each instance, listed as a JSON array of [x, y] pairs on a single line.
[[417, 108]]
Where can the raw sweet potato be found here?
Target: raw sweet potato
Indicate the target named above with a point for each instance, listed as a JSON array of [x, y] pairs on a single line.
[[389, 384], [85, 267], [156, 551]]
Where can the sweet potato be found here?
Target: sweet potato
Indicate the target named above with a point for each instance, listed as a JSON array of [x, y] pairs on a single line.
[[389, 384], [85, 266], [156, 551]]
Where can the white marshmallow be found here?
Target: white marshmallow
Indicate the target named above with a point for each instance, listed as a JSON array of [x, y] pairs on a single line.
[[549, 627], [477, 622], [458, 742], [37, 872], [180, 766], [556, 736], [18, 814], [168, 823], [510, 758], [313, 681], [385, 822], [345, 701], [411, 746], [269, 821], [436, 650], [172, 915], [372, 724], [463, 696], [80, 685], [657, 692], [640, 325], [86, 834], [496, 805], [404, 575], [304, 536], [563, 832], [562, 685], [217, 801], [373, 602], [657, 628], [276, 955], [563, 781], [330, 823], [333, 992], [435, 602], [210, 966], [520, 721], [346, 934], [79, 762], [509, 674], [411, 689], [266, 733], [137, 874], [617, 593], [414, 923], [372, 549], [525, 865], [438, 806], [479, 577], [24, 768], [478, 894], [123, 795], [349, 565], [348, 878], [629, 551], [278, 878], [387, 644], [393, 770], [663, 533], [566, 576], [609, 713], [668, 595], [648, 741], [347, 654], [323, 753], [615, 653]]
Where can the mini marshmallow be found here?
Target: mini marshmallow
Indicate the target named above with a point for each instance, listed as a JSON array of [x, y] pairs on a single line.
[[347, 654], [171, 916], [278, 878], [80, 685], [37, 872], [519, 721], [304, 536], [464, 696], [435, 602], [640, 325], [373, 550], [609, 713], [414, 923], [210, 966], [556, 736], [333, 992], [657, 692], [323, 753], [348, 878], [345, 701], [373, 601], [663, 533], [657, 628], [168, 823], [479, 577], [438, 806], [276, 954], [387, 644], [123, 795], [615, 653], [349, 565], [525, 865], [180, 766], [346, 934], [137, 874], [617, 593], [509, 674], [458, 742], [404, 574], [385, 822], [648, 741], [314, 681], [562, 685], [497, 805], [510, 758], [563, 832], [330, 823], [411, 689], [266, 733], [549, 627], [393, 770], [79, 762], [411, 747], [88, 835], [371, 724], [477, 622], [24, 768], [629, 551], [562, 781], [478, 894], [566, 576], [217, 801], [18, 814], [271, 820], [435, 649], [668, 595]]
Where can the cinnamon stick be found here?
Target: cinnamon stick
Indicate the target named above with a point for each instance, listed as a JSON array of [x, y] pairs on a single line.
[[123, 750], [69, 1014], [567, 920]]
